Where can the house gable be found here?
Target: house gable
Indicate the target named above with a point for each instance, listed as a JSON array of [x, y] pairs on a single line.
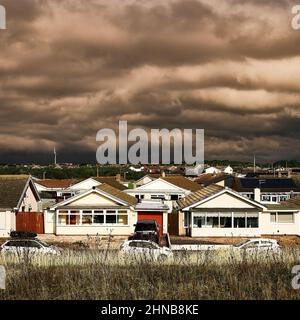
[[93, 199], [85, 184], [225, 200], [159, 185]]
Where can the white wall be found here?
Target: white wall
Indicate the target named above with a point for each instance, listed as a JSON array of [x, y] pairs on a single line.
[[268, 227], [225, 232], [29, 201], [7, 223]]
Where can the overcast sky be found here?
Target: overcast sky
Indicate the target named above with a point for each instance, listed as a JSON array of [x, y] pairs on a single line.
[[71, 67]]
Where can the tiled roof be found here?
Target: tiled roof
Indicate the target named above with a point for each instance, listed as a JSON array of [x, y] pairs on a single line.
[[291, 204], [208, 178], [182, 182], [117, 194], [112, 182], [11, 191], [199, 196], [56, 183]]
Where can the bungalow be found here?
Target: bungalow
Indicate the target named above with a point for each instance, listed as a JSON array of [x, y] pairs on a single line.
[[215, 211], [18, 194], [102, 210], [168, 189]]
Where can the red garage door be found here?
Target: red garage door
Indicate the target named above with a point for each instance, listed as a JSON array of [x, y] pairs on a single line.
[[152, 216]]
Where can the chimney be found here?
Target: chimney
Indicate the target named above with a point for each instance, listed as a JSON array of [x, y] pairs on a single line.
[[257, 194], [289, 173], [163, 174], [118, 177]]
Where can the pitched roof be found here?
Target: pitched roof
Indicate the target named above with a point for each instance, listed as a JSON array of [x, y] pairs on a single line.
[[207, 179], [117, 194], [199, 196], [11, 190], [182, 182], [56, 183], [111, 181], [291, 204]]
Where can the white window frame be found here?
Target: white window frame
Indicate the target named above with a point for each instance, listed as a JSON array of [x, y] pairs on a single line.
[[283, 223], [105, 224]]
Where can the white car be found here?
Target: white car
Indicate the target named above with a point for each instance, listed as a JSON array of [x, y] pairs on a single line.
[[258, 244], [146, 249], [31, 246]]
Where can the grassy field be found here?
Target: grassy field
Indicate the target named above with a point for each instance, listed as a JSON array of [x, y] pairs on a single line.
[[101, 274]]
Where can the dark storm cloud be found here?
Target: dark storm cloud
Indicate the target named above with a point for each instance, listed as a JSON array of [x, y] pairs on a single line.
[[69, 68]]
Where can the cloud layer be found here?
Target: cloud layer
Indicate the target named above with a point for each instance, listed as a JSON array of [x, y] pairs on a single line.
[[69, 68]]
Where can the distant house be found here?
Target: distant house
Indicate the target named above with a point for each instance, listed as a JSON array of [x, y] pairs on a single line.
[[53, 186], [271, 189], [102, 210], [17, 194], [212, 170], [146, 179], [228, 170], [221, 179], [168, 189], [194, 171]]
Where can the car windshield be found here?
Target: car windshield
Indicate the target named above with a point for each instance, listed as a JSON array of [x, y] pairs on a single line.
[[43, 244], [145, 227], [241, 243]]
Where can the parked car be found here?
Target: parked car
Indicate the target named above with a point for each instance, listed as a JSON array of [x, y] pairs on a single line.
[[147, 230], [258, 244], [30, 245], [146, 249]]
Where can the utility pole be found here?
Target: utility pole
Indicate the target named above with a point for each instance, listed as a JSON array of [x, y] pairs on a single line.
[[254, 164], [54, 151]]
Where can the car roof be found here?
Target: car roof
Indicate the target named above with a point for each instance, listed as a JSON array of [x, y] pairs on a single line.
[[22, 239], [147, 241], [146, 221]]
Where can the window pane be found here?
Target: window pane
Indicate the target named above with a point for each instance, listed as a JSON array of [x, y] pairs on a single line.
[[111, 219], [212, 222], [123, 219], [285, 217], [252, 222], [199, 222], [273, 217], [174, 197], [225, 222], [63, 219], [99, 219], [87, 219], [74, 219], [239, 220]]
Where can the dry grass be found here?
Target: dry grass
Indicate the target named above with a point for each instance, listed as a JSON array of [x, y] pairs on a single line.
[[102, 274]]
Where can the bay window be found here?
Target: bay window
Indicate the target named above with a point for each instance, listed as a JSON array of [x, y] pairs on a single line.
[[92, 217], [225, 220]]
